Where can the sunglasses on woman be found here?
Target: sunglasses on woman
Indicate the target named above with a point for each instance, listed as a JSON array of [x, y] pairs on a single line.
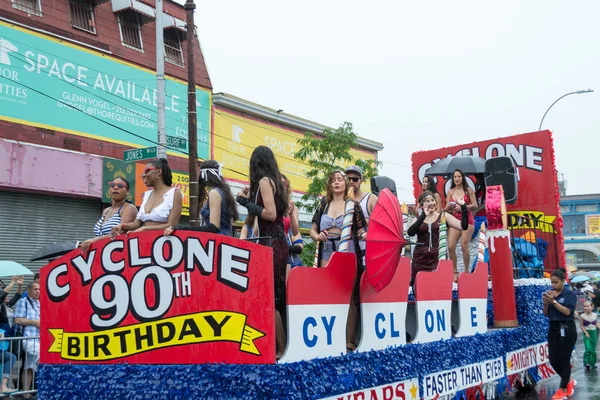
[[116, 184]]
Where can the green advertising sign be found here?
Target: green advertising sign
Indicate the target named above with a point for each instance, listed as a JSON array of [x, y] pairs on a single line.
[[112, 169], [42, 80]]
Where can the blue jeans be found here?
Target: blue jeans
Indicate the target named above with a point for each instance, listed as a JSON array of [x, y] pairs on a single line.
[[7, 360]]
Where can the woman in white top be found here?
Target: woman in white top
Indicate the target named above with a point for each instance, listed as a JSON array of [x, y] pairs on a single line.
[[161, 206]]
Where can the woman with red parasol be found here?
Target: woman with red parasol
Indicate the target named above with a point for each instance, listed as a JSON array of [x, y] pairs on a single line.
[[427, 229]]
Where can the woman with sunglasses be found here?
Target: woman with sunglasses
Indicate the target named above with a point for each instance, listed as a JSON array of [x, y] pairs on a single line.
[[161, 206], [119, 212], [219, 210]]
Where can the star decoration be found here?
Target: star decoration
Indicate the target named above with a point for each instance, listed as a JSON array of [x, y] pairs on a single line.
[[509, 364], [413, 391]]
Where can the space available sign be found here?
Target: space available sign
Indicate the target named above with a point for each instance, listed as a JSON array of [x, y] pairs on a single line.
[[87, 93], [146, 298]]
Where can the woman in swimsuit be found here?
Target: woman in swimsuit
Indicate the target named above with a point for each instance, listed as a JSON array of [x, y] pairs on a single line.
[[270, 204], [460, 190], [161, 206], [219, 210], [291, 228], [326, 231], [119, 212]]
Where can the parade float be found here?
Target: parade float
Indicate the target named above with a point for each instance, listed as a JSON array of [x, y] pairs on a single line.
[[191, 316]]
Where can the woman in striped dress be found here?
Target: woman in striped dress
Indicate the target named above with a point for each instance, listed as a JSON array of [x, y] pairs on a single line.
[[120, 211]]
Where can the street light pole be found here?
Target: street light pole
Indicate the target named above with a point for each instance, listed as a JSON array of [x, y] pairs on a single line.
[[561, 97], [160, 82], [192, 118]]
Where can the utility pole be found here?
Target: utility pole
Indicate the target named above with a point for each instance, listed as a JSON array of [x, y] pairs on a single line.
[[161, 150], [192, 121]]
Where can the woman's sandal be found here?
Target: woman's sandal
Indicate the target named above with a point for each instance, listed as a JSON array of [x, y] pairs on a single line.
[[350, 347]]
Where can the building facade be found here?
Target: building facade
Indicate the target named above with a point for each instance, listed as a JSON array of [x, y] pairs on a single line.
[[78, 88], [581, 216]]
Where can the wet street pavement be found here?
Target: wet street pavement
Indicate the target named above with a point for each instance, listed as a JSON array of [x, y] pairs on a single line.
[[588, 382]]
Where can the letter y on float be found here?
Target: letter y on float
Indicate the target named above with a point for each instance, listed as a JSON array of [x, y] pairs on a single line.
[[318, 300]]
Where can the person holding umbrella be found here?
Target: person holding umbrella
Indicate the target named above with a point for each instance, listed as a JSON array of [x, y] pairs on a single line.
[[459, 190]]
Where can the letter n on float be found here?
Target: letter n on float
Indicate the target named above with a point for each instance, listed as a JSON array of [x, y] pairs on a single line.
[[472, 301], [433, 299], [384, 313], [318, 300]]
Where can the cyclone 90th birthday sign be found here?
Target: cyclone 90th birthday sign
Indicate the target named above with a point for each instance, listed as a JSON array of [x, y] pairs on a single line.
[[152, 299]]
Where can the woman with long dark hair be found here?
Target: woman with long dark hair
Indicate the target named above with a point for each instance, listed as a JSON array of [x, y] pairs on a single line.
[[291, 228], [219, 210], [267, 198], [161, 206], [429, 185], [559, 307], [459, 189]]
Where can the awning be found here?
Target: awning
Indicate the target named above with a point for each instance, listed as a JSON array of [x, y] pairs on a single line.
[[147, 12], [170, 21]]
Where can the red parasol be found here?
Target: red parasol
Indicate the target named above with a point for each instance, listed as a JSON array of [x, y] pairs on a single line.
[[384, 240]]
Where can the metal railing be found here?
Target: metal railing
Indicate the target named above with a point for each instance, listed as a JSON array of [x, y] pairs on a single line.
[[19, 357], [534, 247]]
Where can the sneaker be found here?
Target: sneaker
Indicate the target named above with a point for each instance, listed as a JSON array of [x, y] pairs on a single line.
[[571, 387], [587, 367], [559, 395]]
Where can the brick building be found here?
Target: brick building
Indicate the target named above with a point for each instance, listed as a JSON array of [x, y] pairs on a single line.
[[77, 87]]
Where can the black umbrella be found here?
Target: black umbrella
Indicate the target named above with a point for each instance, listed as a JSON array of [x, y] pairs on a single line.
[[54, 250], [469, 165]]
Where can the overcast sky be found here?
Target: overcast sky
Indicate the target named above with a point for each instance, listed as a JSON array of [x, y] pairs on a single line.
[[418, 75]]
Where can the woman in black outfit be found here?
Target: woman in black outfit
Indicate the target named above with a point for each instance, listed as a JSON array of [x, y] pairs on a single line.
[[559, 306], [267, 198]]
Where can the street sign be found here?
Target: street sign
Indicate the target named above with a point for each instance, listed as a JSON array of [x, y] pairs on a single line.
[[139, 154], [177, 143]]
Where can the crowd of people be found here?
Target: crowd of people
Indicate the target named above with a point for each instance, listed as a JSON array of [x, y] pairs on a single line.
[[19, 320]]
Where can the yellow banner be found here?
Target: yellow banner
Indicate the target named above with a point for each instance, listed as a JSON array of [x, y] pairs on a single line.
[[203, 327], [531, 220], [182, 182], [593, 224], [235, 137]]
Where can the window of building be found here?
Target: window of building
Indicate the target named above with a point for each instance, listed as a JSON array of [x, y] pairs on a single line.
[[586, 208], [29, 6], [574, 224], [173, 51], [82, 15], [584, 256], [131, 30]]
